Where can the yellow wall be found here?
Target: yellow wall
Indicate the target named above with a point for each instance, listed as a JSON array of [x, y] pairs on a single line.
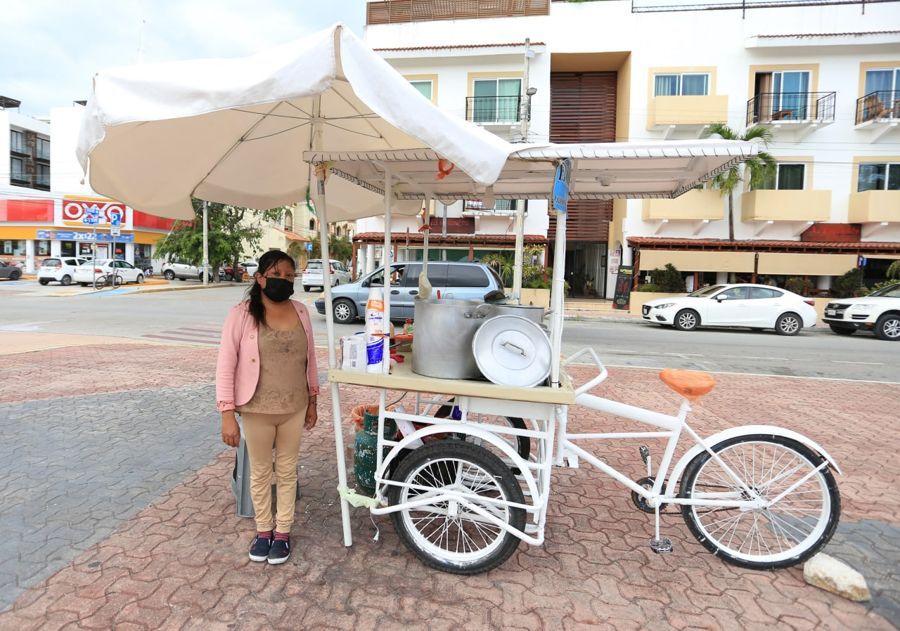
[[697, 204], [874, 206], [690, 261], [792, 264], [771, 205]]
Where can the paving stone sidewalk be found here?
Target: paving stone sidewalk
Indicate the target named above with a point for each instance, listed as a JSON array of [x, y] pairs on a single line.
[[136, 505]]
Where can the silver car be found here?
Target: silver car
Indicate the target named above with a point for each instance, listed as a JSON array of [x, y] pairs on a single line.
[[461, 281]]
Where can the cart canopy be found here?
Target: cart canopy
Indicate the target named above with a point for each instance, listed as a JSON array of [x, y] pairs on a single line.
[[234, 130]]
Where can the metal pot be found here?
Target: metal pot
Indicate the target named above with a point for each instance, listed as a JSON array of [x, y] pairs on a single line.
[[442, 346], [535, 314]]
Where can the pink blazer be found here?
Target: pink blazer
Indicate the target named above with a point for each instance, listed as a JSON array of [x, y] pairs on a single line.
[[237, 369]]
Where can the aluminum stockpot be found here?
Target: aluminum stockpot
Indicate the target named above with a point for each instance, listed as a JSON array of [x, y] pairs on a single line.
[[442, 342], [535, 314]]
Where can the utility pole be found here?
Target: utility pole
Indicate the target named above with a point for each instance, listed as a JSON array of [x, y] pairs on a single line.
[[205, 244]]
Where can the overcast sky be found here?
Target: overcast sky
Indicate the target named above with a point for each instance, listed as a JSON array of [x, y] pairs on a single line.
[[49, 49]]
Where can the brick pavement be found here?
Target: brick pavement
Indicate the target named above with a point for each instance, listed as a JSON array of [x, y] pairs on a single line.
[[180, 562]]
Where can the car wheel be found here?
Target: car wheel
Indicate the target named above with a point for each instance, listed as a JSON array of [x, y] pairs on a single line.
[[842, 330], [888, 327], [229, 277], [306, 288], [788, 324], [15, 275], [687, 320], [66, 280], [169, 274], [344, 312], [44, 281], [140, 279]]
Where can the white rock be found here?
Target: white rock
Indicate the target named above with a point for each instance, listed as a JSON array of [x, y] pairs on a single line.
[[836, 577]]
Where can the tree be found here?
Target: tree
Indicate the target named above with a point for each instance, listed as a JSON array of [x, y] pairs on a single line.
[[339, 249], [761, 167], [232, 230], [893, 270]]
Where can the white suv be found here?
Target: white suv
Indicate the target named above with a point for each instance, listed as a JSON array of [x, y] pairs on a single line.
[[182, 271], [313, 275], [61, 270], [879, 311]]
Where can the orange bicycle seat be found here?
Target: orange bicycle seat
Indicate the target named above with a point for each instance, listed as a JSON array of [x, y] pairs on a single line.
[[690, 384]]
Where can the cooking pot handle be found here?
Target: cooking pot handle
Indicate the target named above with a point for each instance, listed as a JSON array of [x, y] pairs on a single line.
[[481, 311], [516, 347]]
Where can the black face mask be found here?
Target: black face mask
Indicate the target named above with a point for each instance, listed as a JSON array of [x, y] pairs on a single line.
[[278, 289]]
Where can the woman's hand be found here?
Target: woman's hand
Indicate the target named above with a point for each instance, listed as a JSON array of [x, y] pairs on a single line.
[[231, 433], [312, 414]]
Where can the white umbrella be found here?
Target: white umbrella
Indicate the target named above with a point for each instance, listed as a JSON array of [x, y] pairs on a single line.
[[234, 131]]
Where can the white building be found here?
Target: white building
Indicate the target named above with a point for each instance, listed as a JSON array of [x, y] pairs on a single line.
[[824, 79]]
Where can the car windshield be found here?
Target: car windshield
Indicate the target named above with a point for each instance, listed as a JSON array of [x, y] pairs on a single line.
[[314, 265], [706, 291], [886, 292]]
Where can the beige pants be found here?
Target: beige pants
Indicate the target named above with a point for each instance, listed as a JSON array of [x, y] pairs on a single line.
[[261, 431]]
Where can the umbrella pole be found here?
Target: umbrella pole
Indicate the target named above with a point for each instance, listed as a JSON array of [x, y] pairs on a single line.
[[425, 236], [558, 288], [520, 246], [388, 199], [322, 211]]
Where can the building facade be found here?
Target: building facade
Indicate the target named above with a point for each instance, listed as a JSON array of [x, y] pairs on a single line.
[[822, 77], [50, 212]]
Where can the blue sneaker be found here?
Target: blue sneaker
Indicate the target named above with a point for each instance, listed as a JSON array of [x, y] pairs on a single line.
[[279, 552], [259, 548]]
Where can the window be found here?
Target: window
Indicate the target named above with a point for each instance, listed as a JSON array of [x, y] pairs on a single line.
[[14, 247], [424, 87], [884, 83], [17, 170], [43, 247], [437, 275], [67, 248], [466, 276], [43, 175], [878, 177], [377, 278], [761, 293], [785, 177], [496, 100], [686, 84], [782, 95], [288, 221], [312, 224], [735, 293], [43, 149], [17, 141]]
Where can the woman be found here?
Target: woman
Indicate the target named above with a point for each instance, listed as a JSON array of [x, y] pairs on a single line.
[[267, 372]]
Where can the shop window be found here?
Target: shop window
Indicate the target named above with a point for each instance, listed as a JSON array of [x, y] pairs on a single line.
[[684, 84], [13, 247], [878, 177], [42, 247], [85, 249], [785, 177], [67, 248]]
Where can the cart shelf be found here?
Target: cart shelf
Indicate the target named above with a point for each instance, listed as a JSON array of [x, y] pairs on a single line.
[[403, 378]]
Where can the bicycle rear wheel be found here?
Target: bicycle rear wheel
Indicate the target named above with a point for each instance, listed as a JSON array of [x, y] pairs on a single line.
[[100, 281], [781, 535]]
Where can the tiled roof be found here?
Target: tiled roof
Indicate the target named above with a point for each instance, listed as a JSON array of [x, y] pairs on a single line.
[[293, 236], [831, 247], [457, 239], [811, 35], [455, 46]]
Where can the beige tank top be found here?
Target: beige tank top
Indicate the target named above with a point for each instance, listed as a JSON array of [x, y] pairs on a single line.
[[282, 387]]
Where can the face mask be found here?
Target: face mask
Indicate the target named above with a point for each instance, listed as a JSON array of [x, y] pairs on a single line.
[[278, 289]]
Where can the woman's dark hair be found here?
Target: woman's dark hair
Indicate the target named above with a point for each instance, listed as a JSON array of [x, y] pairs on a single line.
[[266, 262]]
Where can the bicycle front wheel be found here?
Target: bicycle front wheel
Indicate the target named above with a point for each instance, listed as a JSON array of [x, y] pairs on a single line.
[[99, 282], [783, 534]]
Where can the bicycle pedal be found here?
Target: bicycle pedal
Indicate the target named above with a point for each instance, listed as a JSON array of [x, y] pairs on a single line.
[[661, 546]]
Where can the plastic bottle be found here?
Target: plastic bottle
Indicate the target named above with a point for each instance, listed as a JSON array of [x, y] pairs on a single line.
[[375, 330]]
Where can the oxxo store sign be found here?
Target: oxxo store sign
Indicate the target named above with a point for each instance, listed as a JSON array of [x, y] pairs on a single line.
[[75, 210]]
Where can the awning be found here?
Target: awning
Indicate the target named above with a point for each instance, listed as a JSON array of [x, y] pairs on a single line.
[[865, 248], [737, 262], [417, 238], [792, 264]]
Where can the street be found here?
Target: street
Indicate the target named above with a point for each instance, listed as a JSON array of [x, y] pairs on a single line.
[[195, 317]]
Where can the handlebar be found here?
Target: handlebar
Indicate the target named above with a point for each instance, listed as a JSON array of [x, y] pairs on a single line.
[[596, 380]]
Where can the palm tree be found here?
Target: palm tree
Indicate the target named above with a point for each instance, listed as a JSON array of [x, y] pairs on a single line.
[[761, 166]]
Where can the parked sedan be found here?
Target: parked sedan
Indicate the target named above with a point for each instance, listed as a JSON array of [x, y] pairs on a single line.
[[87, 272], [752, 306], [60, 270], [10, 271]]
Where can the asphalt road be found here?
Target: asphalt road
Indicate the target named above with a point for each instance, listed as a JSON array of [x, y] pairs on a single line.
[[196, 317]]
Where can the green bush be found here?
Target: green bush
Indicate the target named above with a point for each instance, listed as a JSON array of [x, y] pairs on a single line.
[[650, 287], [848, 285], [799, 285], [668, 280]]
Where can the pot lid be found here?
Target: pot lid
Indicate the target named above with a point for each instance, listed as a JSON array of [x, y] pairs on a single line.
[[512, 351]]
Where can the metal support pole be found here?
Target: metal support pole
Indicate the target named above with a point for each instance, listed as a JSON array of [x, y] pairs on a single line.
[[444, 233], [387, 260], [557, 289], [205, 243], [520, 205]]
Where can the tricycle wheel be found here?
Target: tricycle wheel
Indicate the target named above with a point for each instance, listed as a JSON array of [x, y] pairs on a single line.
[[449, 535]]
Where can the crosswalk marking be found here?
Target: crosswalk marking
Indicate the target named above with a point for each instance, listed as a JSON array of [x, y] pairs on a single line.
[[204, 335]]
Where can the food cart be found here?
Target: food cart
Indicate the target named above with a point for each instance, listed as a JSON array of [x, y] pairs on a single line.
[[325, 117]]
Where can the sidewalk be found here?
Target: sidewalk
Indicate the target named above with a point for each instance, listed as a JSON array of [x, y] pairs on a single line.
[[118, 513]]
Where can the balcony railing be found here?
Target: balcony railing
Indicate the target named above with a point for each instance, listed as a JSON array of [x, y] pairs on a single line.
[[398, 11], [882, 104], [494, 110], [772, 107]]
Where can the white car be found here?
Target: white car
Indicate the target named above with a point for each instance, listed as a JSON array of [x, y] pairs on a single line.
[[251, 267], [878, 312], [312, 275], [88, 271], [60, 270], [745, 305], [182, 271]]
